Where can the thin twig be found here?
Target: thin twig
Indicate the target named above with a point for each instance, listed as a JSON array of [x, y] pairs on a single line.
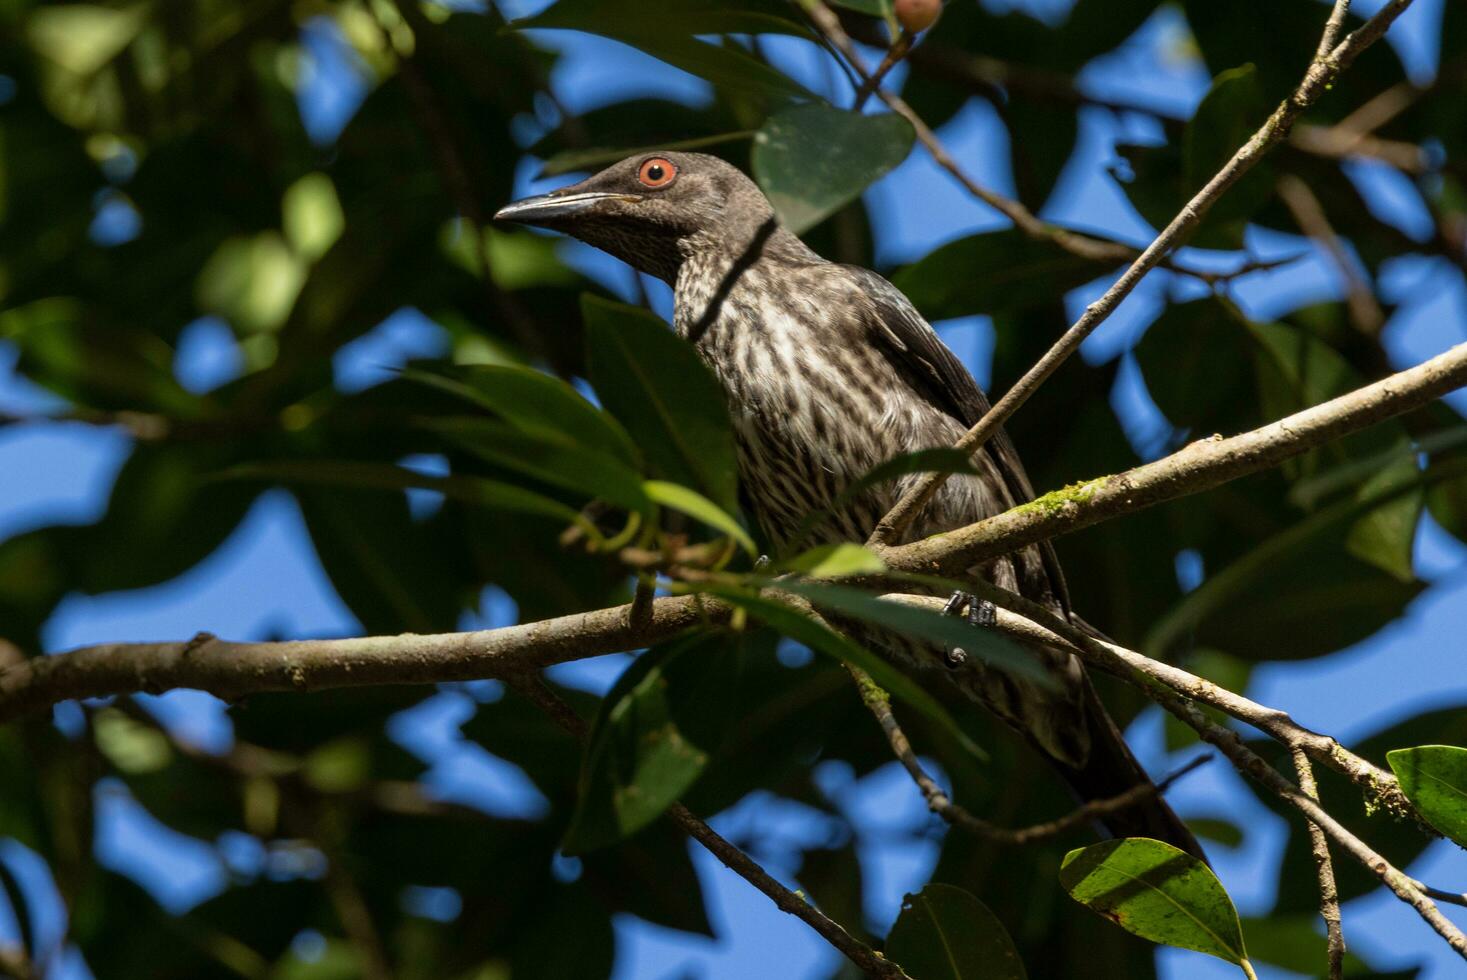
[[1317, 80], [878, 702], [890, 60], [1329, 895], [1364, 309], [864, 957]]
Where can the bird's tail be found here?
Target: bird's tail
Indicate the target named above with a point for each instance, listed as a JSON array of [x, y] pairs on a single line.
[[1109, 771]]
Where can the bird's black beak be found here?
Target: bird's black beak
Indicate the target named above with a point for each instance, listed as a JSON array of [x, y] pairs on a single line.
[[558, 205]]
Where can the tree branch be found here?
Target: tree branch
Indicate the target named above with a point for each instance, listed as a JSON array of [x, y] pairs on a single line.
[[1329, 895], [230, 670], [1364, 309], [1321, 73]]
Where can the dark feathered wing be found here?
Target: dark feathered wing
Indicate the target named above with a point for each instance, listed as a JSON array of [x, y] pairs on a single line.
[[940, 377]]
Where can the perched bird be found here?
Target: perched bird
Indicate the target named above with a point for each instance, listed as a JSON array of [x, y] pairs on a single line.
[[830, 371]]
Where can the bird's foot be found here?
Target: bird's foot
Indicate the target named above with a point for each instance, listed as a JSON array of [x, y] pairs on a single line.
[[979, 612]]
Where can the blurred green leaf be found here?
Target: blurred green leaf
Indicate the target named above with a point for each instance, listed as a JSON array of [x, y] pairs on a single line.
[[312, 216], [387, 569], [944, 933], [656, 385], [811, 160], [1434, 777], [1157, 892], [1386, 535]]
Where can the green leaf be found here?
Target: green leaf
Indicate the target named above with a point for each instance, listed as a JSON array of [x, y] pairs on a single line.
[[797, 626], [657, 386], [547, 457], [994, 272], [944, 933], [697, 506], [1157, 892], [992, 647], [835, 561], [1434, 777], [535, 402], [811, 160], [637, 760]]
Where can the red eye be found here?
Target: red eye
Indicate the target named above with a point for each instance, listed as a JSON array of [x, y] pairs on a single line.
[[656, 172]]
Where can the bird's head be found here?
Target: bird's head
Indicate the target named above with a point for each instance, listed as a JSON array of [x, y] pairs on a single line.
[[654, 209]]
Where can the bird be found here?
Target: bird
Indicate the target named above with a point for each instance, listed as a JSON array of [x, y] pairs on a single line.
[[829, 371]]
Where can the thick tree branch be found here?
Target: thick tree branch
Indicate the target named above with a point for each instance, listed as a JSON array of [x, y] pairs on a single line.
[[1200, 466], [230, 670], [1317, 80]]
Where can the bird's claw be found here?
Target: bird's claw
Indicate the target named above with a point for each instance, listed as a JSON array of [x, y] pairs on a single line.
[[978, 612]]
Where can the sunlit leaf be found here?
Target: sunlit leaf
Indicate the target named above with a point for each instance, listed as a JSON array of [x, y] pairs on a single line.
[[835, 561], [1157, 892], [312, 216], [696, 505], [1434, 777], [812, 159], [944, 933]]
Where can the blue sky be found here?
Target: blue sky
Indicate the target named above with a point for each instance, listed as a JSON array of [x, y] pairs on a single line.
[[266, 579]]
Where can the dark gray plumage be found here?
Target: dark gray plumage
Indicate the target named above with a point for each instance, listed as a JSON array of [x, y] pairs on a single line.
[[829, 371]]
